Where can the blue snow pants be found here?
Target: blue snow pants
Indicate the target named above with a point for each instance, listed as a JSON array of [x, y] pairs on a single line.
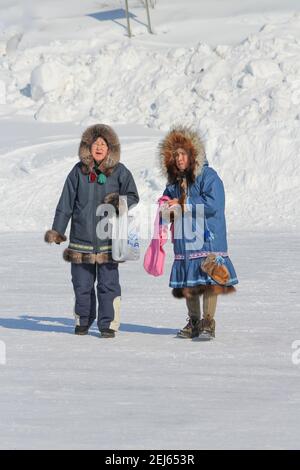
[[108, 294]]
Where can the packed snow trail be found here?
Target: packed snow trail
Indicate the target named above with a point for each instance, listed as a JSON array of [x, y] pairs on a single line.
[[146, 388]]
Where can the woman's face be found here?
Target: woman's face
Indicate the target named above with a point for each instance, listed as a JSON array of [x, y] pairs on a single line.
[[99, 150], [181, 159]]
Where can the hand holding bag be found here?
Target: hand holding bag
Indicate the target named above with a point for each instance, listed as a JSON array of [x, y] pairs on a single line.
[[125, 238], [154, 259]]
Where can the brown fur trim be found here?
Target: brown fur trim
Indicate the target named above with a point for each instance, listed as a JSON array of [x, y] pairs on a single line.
[[222, 290], [191, 142], [178, 293], [88, 258], [104, 258], [113, 199], [188, 292], [85, 169], [89, 136], [52, 236], [72, 256]]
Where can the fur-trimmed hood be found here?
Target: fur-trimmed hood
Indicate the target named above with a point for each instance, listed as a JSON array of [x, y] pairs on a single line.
[[89, 136], [191, 142]]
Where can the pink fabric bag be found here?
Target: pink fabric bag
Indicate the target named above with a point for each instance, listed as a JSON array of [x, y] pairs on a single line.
[[154, 259]]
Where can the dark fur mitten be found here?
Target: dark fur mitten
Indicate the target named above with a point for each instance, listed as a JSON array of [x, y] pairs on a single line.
[[113, 199], [52, 236]]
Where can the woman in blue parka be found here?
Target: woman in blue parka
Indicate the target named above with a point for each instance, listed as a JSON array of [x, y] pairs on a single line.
[[197, 206]]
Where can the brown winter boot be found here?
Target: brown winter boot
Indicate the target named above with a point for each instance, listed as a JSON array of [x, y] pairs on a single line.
[[191, 329], [207, 329]]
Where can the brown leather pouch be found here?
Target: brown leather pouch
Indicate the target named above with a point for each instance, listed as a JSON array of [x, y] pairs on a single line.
[[214, 266]]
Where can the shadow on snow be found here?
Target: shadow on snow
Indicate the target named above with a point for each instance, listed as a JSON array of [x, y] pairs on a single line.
[[66, 325], [114, 15]]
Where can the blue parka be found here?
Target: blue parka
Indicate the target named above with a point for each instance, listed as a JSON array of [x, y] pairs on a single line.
[[204, 188]]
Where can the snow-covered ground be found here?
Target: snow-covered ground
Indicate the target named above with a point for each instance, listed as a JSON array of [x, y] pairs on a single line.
[[232, 70], [146, 388]]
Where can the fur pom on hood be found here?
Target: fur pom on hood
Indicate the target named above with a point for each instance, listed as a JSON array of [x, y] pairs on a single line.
[[89, 136], [190, 141]]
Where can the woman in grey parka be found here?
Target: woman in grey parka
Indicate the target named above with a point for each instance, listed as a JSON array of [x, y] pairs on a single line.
[[98, 178]]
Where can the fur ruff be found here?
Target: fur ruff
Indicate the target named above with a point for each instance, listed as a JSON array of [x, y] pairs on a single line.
[[191, 142], [89, 136]]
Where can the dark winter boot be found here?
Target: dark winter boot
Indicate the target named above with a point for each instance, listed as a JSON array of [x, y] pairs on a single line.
[[81, 330], [107, 333], [207, 329], [191, 329]]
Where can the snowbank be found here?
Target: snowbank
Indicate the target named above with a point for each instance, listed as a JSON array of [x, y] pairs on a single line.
[[244, 98], [48, 77]]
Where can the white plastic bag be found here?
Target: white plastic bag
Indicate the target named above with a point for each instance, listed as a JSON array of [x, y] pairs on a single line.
[[125, 238]]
